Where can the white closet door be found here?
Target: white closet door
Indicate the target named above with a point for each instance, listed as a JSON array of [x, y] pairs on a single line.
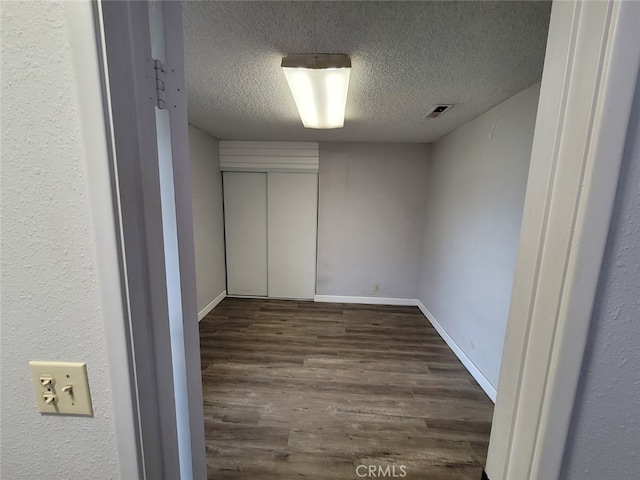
[[245, 220], [293, 219]]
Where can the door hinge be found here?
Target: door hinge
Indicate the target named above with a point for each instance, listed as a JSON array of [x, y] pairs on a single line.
[[161, 78], [169, 86]]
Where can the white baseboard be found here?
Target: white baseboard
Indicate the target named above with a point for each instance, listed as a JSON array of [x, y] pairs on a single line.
[[257, 297], [488, 388], [203, 313], [412, 302]]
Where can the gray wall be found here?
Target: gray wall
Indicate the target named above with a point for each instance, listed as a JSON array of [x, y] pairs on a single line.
[[51, 290], [605, 429], [208, 221], [371, 198], [473, 210]]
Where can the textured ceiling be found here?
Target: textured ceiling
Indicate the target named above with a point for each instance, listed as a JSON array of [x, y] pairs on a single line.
[[406, 57]]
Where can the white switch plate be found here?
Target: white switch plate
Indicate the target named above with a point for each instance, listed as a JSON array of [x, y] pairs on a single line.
[[64, 374]]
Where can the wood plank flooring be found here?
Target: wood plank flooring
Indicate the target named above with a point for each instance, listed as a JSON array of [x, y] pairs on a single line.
[[296, 390]]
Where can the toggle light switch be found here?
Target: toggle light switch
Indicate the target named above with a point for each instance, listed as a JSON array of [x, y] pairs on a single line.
[[69, 391], [61, 388]]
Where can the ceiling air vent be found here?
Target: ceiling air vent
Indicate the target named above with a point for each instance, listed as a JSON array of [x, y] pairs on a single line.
[[438, 110]]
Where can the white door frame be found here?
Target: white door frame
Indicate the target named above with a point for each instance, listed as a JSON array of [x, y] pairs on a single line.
[[164, 356], [590, 74]]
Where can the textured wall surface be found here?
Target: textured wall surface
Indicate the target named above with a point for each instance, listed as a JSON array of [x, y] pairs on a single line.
[[208, 219], [371, 197], [475, 197], [605, 429], [50, 292]]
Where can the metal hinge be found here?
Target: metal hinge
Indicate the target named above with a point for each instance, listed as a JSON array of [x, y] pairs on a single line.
[[160, 83], [169, 85]]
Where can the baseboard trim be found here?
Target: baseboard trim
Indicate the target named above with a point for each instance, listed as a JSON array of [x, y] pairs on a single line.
[[412, 302], [466, 361], [203, 313]]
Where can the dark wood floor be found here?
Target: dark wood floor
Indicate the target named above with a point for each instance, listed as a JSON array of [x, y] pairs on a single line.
[[313, 390]]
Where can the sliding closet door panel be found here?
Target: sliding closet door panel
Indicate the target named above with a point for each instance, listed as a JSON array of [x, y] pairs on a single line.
[[245, 220], [292, 200]]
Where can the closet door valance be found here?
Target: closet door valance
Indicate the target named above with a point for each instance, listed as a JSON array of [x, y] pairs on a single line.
[[238, 156]]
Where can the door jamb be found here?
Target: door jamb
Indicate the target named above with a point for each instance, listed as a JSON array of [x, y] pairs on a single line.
[[129, 86], [588, 83]]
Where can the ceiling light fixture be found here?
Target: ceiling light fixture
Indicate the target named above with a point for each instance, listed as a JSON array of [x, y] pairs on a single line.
[[319, 85]]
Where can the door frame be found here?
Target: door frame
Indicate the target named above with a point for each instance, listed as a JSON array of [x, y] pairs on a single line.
[[588, 84], [164, 358], [590, 75]]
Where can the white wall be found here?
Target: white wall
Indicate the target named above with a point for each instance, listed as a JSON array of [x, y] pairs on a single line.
[[473, 210], [605, 429], [208, 220], [371, 197], [51, 277]]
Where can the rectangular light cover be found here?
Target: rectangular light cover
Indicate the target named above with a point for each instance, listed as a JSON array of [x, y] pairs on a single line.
[[320, 94]]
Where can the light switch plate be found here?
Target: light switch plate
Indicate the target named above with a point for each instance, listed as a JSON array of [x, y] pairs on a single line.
[[64, 384]]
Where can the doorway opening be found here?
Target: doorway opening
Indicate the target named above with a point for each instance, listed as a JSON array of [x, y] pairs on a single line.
[[538, 383], [421, 214]]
